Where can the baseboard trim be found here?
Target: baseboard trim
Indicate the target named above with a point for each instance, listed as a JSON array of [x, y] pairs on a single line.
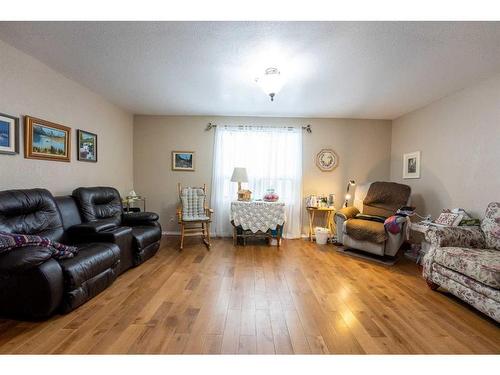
[[177, 233]]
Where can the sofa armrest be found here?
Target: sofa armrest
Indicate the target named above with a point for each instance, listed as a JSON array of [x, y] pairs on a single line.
[[472, 237], [139, 218], [23, 258], [347, 213], [112, 235], [91, 227]]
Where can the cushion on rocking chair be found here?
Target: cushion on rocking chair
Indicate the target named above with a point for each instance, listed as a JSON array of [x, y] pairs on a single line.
[[193, 205], [195, 218]]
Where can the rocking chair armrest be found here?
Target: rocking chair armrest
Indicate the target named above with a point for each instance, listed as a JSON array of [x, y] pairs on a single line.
[[209, 211]]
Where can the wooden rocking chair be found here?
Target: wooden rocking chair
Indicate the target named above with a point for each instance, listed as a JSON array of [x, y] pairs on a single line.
[[193, 214]]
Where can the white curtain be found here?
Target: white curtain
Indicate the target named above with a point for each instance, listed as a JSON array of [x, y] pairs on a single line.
[[273, 159]]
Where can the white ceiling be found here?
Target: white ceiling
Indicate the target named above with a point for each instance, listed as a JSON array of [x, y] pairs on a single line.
[[331, 69]]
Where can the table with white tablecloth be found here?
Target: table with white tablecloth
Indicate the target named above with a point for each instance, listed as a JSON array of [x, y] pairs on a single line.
[[257, 218]]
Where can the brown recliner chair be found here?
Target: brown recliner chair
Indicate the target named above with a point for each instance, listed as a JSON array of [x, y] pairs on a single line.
[[362, 225]]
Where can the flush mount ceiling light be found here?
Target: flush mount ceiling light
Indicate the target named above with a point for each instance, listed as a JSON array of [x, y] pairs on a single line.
[[270, 82]]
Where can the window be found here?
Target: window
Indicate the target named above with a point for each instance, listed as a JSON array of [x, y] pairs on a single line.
[[273, 159]]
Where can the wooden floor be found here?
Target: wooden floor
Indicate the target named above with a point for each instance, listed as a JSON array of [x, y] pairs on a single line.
[[302, 298]]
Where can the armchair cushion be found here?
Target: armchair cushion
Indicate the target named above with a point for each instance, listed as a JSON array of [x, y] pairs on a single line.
[[93, 259], [193, 202], [384, 198], [482, 265], [456, 236], [366, 230], [347, 213], [139, 218], [491, 226], [195, 218]]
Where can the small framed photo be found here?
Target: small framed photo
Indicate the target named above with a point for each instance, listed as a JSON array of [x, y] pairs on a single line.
[[411, 165], [183, 160], [46, 140], [9, 134], [87, 146]]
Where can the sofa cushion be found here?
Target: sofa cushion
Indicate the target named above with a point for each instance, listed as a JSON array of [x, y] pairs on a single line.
[[491, 226], [92, 259], [30, 211], [23, 259], [98, 203], [145, 235], [467, 282], [482, 265], [366, 230]]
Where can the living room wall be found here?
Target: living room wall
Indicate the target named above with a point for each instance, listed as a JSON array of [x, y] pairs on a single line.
[[459, 140], [30, 87], [363, 147]]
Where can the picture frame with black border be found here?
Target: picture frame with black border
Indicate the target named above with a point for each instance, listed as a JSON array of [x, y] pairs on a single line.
[[87, 146]]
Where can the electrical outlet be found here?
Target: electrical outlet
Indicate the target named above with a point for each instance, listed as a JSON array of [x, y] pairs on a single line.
[[171, 219]]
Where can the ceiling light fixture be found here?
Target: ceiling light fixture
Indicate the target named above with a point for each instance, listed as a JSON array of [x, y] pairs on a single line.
[[271, 82]]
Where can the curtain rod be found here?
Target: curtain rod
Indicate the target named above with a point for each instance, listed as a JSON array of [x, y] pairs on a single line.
[[211, 126]]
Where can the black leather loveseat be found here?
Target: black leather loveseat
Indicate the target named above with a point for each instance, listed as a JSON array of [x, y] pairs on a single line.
[[34, 285]]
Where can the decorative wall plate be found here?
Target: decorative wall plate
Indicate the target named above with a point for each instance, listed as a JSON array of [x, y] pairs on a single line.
[[327, 160]]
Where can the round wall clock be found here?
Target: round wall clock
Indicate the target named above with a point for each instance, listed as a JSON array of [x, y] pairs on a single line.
[[327, 160]]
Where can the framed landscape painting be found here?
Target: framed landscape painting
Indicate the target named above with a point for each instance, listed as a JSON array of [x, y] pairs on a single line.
[[9, 134], [183, 160], [46, 140], [87, 146]]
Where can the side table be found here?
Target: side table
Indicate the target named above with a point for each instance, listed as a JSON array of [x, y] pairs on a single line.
[[257, 219], [329, 222], [129, 202], [417, 236]]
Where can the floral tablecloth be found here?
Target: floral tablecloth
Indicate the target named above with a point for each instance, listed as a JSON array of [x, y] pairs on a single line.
[[258, 215]]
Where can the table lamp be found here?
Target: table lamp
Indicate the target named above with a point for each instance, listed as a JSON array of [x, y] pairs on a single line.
[[239, 176], [347, 195]]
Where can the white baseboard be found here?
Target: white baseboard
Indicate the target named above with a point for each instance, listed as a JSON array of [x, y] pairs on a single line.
[[177, 233]]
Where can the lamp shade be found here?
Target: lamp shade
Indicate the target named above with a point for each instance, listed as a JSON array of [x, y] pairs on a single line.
[[239, 175]]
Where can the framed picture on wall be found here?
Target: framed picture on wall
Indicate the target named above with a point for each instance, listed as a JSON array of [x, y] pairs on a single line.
[[9, 134], [46, 140], [411, 165], [327, 160], [183, 160], [87, 146]]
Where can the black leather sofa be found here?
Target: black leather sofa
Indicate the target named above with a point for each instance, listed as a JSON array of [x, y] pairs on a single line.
[[34, 285]]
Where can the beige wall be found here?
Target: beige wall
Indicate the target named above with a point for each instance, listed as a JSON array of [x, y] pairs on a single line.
[[29, 87], [459, 138], [363, 147]]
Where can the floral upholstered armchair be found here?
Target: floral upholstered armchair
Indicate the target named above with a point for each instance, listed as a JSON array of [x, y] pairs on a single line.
[[466, 262]]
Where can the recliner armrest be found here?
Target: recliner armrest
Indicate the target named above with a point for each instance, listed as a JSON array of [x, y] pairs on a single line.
[[109, 235], [91, 227], [139, 218], [23, 258], [347, 213]]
